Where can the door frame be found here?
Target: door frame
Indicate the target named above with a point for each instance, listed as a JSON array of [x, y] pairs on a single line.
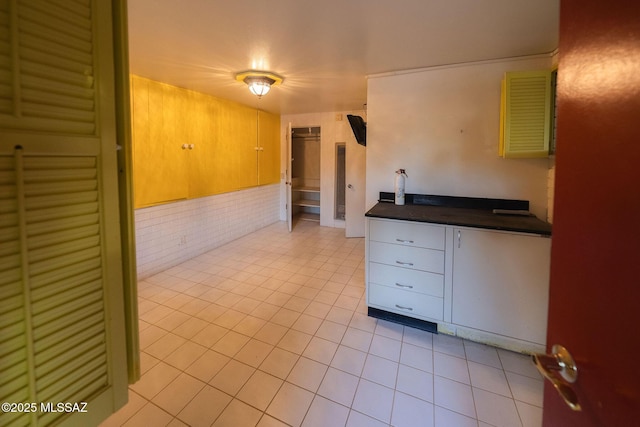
[[287, 174]]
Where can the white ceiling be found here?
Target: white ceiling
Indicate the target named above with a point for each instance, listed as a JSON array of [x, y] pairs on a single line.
[[324, 49]]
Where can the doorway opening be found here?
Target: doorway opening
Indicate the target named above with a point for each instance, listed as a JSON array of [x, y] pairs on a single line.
[[305, 173]]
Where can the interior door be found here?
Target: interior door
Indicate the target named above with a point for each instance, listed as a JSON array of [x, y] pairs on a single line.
[[355, 191], [288, 176], [594, 291], [62, 320]]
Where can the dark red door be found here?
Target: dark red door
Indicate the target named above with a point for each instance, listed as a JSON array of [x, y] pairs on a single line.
[[594, 306]]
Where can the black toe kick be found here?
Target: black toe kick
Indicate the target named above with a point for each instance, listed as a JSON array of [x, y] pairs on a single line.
[[403, 320]]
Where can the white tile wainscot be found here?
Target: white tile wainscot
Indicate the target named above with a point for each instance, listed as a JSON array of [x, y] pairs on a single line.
[[171, 233]]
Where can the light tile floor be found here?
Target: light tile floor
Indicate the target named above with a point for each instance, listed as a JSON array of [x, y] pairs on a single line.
[[271, 330]]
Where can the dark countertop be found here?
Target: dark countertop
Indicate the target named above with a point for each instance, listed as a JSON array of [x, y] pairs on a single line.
[[461, 216]]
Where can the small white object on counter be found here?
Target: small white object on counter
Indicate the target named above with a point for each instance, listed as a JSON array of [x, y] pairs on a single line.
[[399, 186]]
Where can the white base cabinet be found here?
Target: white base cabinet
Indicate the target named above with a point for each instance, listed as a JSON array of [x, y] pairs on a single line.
[[501, 283], [406, 263], [485, 285]]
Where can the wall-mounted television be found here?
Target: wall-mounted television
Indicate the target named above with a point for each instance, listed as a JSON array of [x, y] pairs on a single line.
[[359, 128]]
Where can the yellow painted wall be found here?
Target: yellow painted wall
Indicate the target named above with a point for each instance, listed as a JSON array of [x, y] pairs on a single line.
[[225, 150]]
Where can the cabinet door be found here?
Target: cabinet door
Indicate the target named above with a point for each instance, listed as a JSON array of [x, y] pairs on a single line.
[[238, 140], [269, 153], [160, 172], [525, 114], [501, 283], [206, 162]]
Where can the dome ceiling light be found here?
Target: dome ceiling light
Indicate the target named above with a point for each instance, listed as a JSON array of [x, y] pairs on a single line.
[[259, 82]]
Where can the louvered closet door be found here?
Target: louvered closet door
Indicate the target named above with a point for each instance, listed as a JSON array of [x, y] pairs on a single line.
[[61, 314]]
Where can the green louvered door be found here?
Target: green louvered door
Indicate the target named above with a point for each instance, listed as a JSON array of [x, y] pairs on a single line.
[[526, 114], [61, 314]]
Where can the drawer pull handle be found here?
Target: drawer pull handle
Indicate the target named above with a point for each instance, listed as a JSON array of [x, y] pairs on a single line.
[[404, 241], [404, 286], [410, 264], [404, 308]]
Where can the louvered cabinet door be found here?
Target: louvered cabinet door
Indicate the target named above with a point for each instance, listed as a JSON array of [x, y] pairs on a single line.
[[62, 335], [526, 114]]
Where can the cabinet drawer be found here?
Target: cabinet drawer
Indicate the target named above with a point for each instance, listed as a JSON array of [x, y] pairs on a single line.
[[407, 257], [406, 303], [406, 279], [407, 233]]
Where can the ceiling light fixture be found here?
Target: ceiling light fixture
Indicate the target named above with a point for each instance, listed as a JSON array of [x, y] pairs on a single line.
[[259, 82]]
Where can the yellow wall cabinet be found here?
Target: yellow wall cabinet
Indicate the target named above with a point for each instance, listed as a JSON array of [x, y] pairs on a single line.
[[268, 148], [525, 114], [188, 145]]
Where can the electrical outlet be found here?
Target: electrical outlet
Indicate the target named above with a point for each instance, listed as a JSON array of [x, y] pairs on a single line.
[[338, 117]]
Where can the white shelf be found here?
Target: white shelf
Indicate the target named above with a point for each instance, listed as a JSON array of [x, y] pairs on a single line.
[[306, 216], [307, 189], [306, 202]]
